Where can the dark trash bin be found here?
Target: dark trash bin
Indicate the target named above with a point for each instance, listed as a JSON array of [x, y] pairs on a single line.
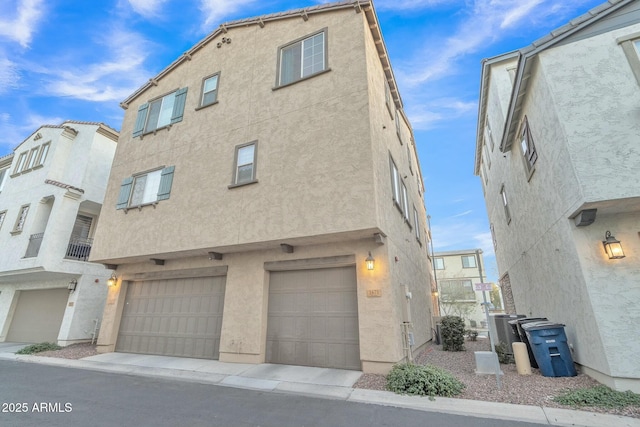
[[549, 344], [517, 324]]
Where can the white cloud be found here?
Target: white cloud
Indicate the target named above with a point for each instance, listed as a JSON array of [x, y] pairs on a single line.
[[424, 115], [453, 235], [462, 214], [410, 4], [14, 130], [110, 80], [147, 8], [216, 11], [27, 17], [9, 75]]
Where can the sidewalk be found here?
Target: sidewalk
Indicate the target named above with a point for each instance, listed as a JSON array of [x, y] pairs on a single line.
[[316, 382]]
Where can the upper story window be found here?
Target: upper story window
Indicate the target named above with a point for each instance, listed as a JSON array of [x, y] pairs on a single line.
[[528, 147], [398, 127], [631, 47], [489, 136], [209, 90], [457, 290], [244, 170], [438, 263], [395, 183], [387, 97], [22, 218], [3, 176], [31, 159], [505, 204], [145, 188], [416, 224], [302, 58], [405, 203], [160, 112], [3, 215], [468, 261]]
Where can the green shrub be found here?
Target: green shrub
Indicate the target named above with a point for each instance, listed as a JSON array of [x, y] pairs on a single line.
[[423, 380], [598, 396], [452, 333], [37, 348], [503, 356]]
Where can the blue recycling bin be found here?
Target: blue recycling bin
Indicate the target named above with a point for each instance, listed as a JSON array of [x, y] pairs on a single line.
[[549, 345]]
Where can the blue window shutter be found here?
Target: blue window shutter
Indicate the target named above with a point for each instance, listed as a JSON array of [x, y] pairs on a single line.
[[125, 191], [166, 180], [178, 105], [140, 120]]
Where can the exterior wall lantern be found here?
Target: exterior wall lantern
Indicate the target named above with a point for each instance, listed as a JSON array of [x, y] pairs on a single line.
[[113, 280], [612, 247], [72, 285], [370, 262]]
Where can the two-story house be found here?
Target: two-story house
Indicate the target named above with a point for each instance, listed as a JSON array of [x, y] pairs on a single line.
[[266, 201], [457, 273], [51, 191], [557, 153]]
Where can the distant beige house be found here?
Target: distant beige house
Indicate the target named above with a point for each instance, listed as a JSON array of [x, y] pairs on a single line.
[[256, 179], [457, 272], [51, 191], [557, 153]]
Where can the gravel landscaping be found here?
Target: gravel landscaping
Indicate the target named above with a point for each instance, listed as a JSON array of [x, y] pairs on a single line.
[[519, 389]]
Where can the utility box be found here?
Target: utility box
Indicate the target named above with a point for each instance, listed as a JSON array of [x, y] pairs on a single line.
[[487, 363], [549, 344], [504, 331]]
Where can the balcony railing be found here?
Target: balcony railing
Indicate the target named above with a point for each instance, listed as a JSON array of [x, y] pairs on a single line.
[[79, 248], [35, 240]]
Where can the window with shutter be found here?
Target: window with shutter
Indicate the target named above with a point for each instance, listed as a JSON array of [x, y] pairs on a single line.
[[146, 188], [160, 113]]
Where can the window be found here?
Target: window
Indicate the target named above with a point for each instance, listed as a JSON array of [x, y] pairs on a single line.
[[438, 263], [505, 203], [489, 136], [527, 146], [409, 158], [493, 237], [302, 58], [487, 156], [21, 162], [395, 183], [3, 215], [244, 171], [416, 224], [3, 176], [209, 90], [33, 154], [631, 47], [145, 188], [387, 97], [457, 290], [22, 217], [468, 261], [398, 127], [405, 202], [160, 112], [43, 154]]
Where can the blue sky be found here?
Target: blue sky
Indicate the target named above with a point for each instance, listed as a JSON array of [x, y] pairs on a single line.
[[77, 59]]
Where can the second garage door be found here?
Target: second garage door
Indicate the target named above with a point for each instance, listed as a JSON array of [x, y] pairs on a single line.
[[38, 315], [178, 317], [313, 318]]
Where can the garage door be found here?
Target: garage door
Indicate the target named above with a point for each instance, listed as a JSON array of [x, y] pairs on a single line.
[[38, 315], [313, 318], [178, 317]]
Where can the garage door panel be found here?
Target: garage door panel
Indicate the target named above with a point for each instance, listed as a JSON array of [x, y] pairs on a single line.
[[180, 317], [313, 318]]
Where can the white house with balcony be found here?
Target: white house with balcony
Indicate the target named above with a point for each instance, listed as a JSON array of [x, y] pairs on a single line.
[[51, 190]]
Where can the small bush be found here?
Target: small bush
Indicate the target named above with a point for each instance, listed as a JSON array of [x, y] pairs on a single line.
[[452, 333], [423, 380], [599, 396], [503, 356], [37, 348]]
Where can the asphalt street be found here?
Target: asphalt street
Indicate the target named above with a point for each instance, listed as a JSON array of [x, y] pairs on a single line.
[[32, 394]]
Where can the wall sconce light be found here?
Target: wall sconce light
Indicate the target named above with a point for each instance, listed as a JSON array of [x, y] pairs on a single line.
[[72, 286], [434, 293], [612, 247], [113, 280], [370, 262]]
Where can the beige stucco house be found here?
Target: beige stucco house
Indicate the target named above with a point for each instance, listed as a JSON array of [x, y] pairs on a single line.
[[557, 153], [457, 273], [255, 177], [51, 191]]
